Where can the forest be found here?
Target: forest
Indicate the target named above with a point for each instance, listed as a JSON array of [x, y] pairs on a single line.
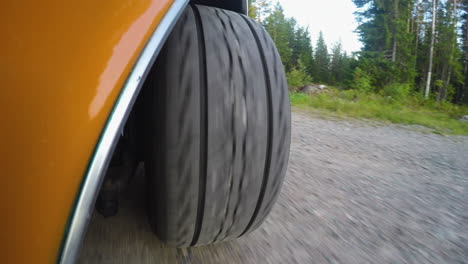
[[414, 52], [419, 44]]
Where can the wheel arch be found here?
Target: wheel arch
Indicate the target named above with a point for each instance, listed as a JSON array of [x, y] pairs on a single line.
[[92, 180], [86, 195]]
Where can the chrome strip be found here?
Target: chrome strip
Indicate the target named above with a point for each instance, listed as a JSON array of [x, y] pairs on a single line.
[[78, 223]]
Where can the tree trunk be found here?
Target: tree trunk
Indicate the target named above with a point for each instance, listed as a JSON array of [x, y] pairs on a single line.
[[443, 92], [395, 19], [465, 71], [444, 76], [465, 83], [417, 20], [431, 49], [444, 95], [409, 22]]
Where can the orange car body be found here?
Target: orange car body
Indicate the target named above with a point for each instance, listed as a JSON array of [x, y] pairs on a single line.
[[63, 65]]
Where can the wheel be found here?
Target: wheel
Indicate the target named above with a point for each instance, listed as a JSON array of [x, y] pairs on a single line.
[[219, 129]]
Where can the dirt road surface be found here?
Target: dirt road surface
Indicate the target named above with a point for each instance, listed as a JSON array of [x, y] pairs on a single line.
[[354, 193]]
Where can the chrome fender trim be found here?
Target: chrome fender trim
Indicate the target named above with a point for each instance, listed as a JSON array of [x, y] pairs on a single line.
[[84, 203]]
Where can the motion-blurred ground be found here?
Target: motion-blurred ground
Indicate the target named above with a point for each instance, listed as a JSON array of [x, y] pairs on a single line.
[[354, 193]]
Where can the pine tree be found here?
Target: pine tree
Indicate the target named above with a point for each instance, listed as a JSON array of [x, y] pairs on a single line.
[[462, 90], [322, 60], [447, 66], [336, 65], [259, 9], [400, 46], [423, 38], [280, 29], [302, 50], [385, 30], [431, 49]]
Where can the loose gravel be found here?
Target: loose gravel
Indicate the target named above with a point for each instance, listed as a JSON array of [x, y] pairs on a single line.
[[355, 192]]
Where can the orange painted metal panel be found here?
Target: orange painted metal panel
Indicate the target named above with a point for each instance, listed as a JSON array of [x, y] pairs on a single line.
[[62, 65]]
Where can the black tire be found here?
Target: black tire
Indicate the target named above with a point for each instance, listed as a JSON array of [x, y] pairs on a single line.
[[219, 129]]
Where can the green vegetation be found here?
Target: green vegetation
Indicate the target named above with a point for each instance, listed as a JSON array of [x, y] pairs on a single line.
[[362, 81], [412, 69], [297, 77], [441, 117]]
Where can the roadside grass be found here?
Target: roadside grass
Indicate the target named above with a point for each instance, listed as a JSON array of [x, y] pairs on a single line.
[[442, 118]]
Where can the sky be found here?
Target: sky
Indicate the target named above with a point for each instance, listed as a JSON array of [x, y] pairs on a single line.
[[334, 18]]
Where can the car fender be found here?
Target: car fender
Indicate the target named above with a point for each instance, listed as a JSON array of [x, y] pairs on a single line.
[[70, 72]]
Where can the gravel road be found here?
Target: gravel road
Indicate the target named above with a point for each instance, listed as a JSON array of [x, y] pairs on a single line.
[[355, 192]]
